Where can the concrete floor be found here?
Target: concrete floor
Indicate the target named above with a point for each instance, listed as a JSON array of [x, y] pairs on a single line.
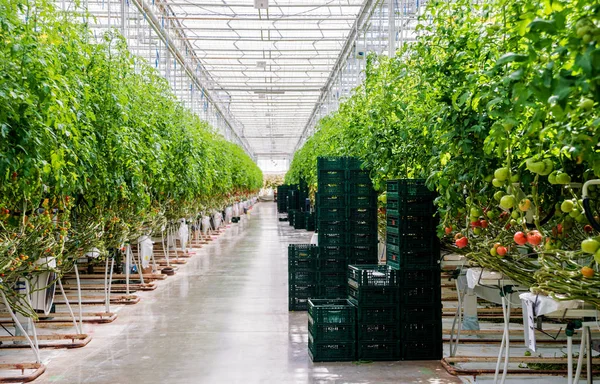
[[222, 319]]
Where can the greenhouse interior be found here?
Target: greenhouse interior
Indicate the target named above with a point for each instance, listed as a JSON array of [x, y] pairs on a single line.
[[300, 191]]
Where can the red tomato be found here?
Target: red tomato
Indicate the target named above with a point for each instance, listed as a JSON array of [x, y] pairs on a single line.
[[483, 223], [475, 224], [501, 250], [534, 237], [448, 230], [462, 242], [520, 238]]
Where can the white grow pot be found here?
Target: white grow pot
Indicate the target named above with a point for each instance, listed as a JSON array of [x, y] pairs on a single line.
[[42, 299]]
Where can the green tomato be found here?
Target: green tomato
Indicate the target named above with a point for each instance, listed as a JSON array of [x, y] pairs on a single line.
[[507, 202], [563, 178], [567, 206], [488, 178], [501, 173], [491, 215], [497, 183], [574, 213], [493, 252], [590, 246], [585, 103], [477, 230], [515, 215], [498, 195], [597, 256], [515, 178]]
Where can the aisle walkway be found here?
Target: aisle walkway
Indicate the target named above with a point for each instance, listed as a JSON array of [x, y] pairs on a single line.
[[222, 319]]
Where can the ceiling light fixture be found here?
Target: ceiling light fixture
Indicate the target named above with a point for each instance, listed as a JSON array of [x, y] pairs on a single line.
[[261, 4], [268, 91]]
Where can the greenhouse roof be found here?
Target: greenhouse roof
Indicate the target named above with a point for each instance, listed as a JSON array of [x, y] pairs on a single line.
[[269, 65]]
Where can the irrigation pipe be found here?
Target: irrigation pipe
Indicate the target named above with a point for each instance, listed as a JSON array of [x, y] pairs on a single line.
[[35, 350]]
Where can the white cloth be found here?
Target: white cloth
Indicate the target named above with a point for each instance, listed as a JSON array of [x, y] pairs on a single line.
[[544, 305], [491, 281], [314, 239], [205, 224], [146, 246], [183, 233]]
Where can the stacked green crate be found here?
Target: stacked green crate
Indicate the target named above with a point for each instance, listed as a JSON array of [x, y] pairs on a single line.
[[361, 200], [293, 196], [310, 221], [282, 191], [413, 248], [302, 275], [374, 290], [331, 330], [332, 215], [291, 216], [300, 220]]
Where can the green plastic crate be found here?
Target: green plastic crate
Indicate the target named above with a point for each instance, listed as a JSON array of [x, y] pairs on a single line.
[[302, 277], [336, 311], [331, 201], [372, 276], [379, 350], [338, 239], [361, 189], [331, 177], [331, 332], [331, 214], [332, 277], [331, 163], [326, 226], [373, 296], [419, 350], [331, 351], [338, 291], [338, 188], [298, 296], [377, 315], [413, 258], [380, 332], [359, 176], [333, 252]]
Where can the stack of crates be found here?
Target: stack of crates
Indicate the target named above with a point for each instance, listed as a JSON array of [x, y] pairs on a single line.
[[282, 191], [361, 200], [300, 220], [413, 248], [302, 275], [310, 221], [373, 289], [291, 216], [293, 197], [331, 330]]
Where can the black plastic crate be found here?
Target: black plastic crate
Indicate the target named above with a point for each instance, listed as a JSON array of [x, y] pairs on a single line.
[[378, 350], [332, 277], [419, 277], [327, 239], [332, 188], [310, 222], [333, 252], [331, 214], [362, 214], [331, 177], [410, 187], [418, 350], [380, 332], [302, 277], [362, 239], [425, 332], [372, 276], [302, 264], [338, 311], [331, 351], [413, 258], [331, 332], [302, 251], [332, 226], [398, 224], [356, 261], [332, 291], [364, 252], [362, 201], [361, 189], [331, 163], [362, 227], [339, 264], [420, 294], [291, 216], [425, 314], [377, 315], [412, 207], [300, 220], [359, 176], [298, 296], [331, 201], [353, 163], [373, 296]]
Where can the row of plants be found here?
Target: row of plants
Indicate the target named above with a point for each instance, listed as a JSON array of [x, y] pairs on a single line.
[[95, 149], [497, 105]]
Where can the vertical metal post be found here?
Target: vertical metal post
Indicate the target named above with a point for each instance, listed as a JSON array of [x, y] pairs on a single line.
[[391, 29]]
